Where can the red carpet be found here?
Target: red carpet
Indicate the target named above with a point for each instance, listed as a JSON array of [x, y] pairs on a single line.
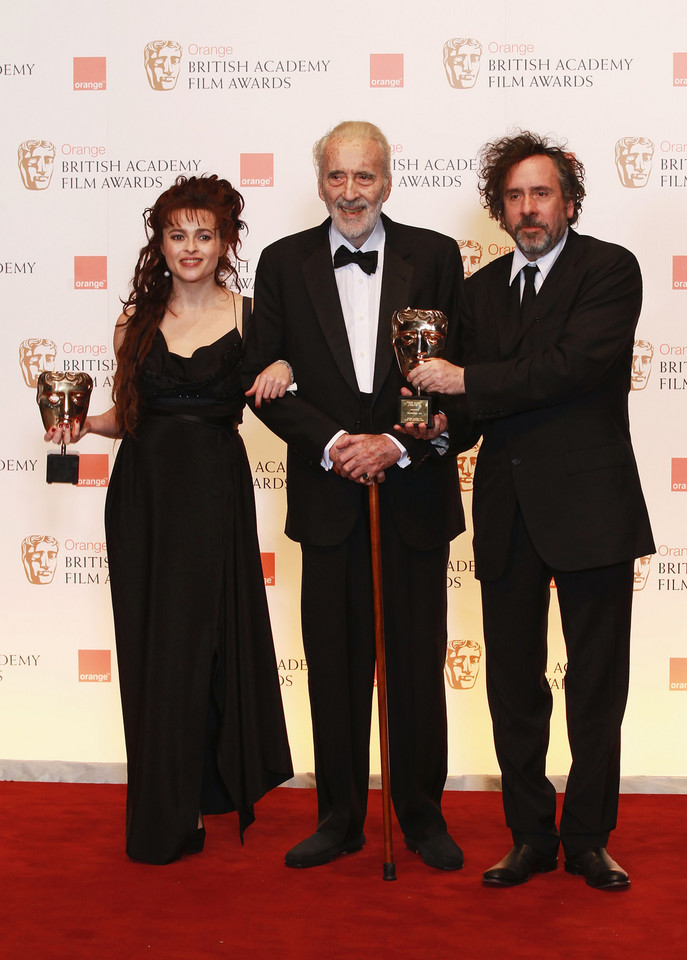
[[69, 892]]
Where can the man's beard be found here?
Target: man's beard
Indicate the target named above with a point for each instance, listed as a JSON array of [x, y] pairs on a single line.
[[529, 245]]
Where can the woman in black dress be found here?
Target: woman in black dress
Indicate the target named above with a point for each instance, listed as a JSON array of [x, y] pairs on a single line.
[[203, 717]]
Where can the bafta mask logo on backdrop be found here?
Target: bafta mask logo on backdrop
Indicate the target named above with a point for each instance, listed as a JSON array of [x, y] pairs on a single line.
[[39, 556], [641, 572], [471, 255], [633, 159], [462, 663], [36, 355], [462, 57], [36, 160], [162, 59], [642, 358], [466, 467]]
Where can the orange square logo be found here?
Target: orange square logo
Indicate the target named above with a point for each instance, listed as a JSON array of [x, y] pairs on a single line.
[[90, 73], [386, 69], [678, 673], [680, 69], [94, 469], [90, 273], [679, 273], [257, 169], [268, 567], [678, 474], [95, 666]]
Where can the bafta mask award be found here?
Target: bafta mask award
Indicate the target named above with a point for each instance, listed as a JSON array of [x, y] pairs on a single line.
[[63, 401], [417, 335]]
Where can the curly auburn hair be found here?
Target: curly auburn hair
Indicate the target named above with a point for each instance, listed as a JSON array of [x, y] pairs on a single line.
[[497, 157], [151, 289]]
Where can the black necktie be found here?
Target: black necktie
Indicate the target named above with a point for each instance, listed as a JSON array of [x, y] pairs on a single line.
[[366, 261], [528, 293]]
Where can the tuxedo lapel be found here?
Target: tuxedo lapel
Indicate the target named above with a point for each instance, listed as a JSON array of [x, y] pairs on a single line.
[[396, 285], [318, 272]]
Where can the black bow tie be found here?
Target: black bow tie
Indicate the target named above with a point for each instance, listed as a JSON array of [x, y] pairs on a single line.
[[366, 261]]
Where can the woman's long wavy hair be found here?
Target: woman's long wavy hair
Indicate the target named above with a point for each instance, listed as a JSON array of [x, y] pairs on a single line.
[[151, 289]]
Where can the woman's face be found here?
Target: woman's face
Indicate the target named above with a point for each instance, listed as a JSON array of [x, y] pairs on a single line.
[[192, 245]]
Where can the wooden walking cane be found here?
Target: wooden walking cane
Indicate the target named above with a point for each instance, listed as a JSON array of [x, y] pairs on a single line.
[[375, 541]]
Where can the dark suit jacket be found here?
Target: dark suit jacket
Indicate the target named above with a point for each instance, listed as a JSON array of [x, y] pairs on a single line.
[[552, 399], [298, 317]]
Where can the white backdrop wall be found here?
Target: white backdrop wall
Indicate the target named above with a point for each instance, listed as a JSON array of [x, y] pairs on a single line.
[[87, 141]]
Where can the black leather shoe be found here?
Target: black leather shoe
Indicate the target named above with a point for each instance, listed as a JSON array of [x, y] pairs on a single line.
[[518, 866], [598, 869], [318, 849], [440, 851]]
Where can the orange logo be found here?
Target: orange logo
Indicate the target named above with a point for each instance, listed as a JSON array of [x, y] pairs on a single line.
[[466, 467], [679, 273], [95, 666], [633, 159], [36, 159], [257, 169], [162, 61], [462, 57], [678, 673], [39, 556], [680, 69], [36, 355], [386, 69], [94, 469], [90, 73], [268, 568], [642, 357], [471, 255], [90, 273], [678, 475], [462, 663]]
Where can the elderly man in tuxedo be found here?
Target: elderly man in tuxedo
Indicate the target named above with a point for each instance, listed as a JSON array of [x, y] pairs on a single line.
[[548, 364], [324, 300]]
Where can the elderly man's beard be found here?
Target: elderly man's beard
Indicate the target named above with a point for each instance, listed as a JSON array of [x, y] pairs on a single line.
[[353, 230]]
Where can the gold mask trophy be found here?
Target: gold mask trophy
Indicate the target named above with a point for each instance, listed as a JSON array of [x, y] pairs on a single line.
[[63, 400], [417, 335]]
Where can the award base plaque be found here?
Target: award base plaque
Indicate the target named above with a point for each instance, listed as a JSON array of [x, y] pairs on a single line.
[[62, 468], [415, 410]]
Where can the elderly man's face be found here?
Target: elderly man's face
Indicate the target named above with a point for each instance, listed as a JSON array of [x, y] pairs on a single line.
[[36, 167], [354, 187]]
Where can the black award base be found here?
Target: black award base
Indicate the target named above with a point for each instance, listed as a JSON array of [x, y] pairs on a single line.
[[62, 468]]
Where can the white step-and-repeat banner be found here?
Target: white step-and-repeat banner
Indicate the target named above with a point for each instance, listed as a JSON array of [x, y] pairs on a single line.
[[105, 103]]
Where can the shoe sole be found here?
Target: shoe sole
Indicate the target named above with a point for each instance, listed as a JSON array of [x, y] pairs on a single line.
[[352, 847]]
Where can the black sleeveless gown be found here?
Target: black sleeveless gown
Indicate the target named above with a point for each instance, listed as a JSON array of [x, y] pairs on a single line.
[[203, 718]]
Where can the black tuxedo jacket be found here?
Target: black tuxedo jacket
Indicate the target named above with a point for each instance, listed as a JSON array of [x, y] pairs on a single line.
[[551, 394], [298, 317]]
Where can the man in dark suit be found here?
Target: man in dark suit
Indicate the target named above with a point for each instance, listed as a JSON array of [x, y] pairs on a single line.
[[556, 494], [326, 310]]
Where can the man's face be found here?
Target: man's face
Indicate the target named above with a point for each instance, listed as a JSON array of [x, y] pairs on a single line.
[[641, 364], [36, 359], [163, 67], [353, 187], [462, 666], [535, 212], [462, 65], [36, 166], [40, 560], [634, 165]]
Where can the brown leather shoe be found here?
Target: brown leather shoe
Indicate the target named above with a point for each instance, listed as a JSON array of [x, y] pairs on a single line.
[[518, 866], [598, 869]]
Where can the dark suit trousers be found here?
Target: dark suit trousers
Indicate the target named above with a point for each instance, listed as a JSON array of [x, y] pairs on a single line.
[[338, 636], [595, 610]]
